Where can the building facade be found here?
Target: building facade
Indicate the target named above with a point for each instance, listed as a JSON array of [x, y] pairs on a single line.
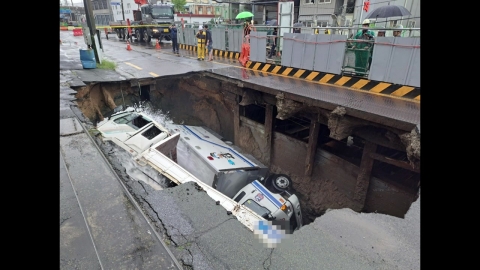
[[128, 7], [102, 12], [326, 12], [410, 21]]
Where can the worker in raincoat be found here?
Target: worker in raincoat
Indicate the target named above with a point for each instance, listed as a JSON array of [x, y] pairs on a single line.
[[363, 49], [201, 41]]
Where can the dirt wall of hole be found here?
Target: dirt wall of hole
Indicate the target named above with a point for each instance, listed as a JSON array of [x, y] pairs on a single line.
[[196, 100], [333, 179], [98, 100]]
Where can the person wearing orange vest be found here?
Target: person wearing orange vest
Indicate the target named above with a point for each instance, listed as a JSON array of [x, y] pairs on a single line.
[[201, 41]]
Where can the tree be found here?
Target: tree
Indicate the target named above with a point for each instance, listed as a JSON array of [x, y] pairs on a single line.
[[179, 4]]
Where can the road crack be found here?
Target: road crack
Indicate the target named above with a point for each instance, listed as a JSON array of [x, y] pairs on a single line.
[[268, 261]]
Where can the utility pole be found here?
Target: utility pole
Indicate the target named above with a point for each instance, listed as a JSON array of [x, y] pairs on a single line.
[[91, 25], [71, 10], [123, 13]]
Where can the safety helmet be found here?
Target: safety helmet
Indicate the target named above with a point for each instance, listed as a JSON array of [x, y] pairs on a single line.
[[399, 26], [366, 21], [382, 29], [200, 27]]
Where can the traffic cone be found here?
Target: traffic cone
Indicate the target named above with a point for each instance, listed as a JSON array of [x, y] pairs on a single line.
[[128, 46], [157, 46]]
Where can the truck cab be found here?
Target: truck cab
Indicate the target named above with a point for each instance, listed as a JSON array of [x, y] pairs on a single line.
[[281, 207], [158, 17]]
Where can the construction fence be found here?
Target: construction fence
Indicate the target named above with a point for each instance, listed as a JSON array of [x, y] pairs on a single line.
[[385, 58]]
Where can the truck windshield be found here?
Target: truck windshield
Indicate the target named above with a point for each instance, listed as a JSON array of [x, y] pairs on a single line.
[[262, 211], [158, 12]]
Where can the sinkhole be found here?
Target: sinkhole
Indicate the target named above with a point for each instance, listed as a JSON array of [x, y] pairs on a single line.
[[244, 115]]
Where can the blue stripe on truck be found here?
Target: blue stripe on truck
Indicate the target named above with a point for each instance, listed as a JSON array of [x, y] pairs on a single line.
[[230, 149], [267, 193]]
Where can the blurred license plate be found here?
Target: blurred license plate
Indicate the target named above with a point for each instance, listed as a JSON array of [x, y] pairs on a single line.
[[165, 30]]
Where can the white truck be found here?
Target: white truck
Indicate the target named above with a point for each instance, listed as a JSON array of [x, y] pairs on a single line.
[[221, 165], [226, 175]]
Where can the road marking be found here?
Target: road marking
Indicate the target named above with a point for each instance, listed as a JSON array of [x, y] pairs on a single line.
[[153, 74], [132, 65]]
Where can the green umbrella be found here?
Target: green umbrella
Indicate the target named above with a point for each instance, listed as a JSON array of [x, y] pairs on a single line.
[[244, 14]]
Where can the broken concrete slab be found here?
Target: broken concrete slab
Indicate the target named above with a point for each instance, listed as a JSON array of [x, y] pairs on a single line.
[[98, 75]]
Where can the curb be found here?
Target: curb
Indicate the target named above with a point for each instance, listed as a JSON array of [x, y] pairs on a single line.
[[357, 83]]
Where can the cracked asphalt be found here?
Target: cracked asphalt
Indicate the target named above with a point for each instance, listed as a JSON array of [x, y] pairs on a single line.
[[101, 227]]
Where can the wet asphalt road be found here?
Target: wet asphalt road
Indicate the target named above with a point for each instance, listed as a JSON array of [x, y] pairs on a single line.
[[101, 228]]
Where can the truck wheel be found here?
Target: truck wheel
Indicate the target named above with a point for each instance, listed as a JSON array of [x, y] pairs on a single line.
[[146, 37], [138, 35], [281, 182]]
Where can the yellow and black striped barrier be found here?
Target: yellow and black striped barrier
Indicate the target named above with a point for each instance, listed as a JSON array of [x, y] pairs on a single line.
[[114, 26], [397, 90], [225, 54], [357, 83]]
